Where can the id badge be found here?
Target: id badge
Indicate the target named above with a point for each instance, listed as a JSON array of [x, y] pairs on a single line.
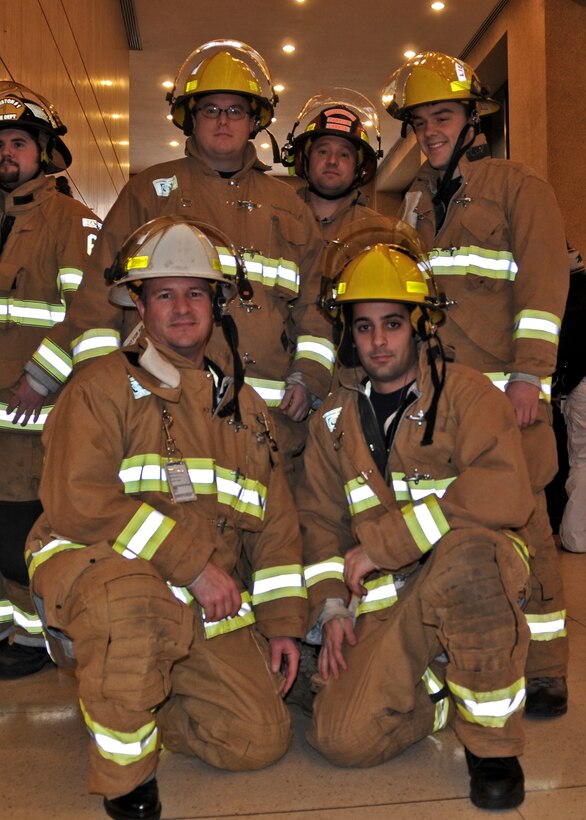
[[179, 482]]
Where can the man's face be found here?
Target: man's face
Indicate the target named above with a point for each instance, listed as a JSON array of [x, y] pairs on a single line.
[[437, 127], [177, 311], [222, 141], [332, 165], [19, 158], [385, 344]]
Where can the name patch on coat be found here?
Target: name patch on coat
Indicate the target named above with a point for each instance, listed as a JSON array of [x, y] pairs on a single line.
[[163, 187], [138, 391], [331, 417]]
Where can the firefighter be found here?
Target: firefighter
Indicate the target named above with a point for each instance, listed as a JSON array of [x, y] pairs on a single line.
[[223, 97], [499, 252], [333, 154], [175, 579], [414, 477], [45, 242]]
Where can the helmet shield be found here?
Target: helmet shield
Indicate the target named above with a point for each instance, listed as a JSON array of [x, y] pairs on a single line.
[[22, 108], [228, 67], [433, 77], [337, 112], [168, 246]]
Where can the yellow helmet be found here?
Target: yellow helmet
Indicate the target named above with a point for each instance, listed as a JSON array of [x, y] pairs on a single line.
[[382, 273], [433, 77], [228, 67]]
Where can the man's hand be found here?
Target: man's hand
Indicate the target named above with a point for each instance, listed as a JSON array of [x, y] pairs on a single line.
[[285, 656], [331, 657], [357, 565], [525, 398], [216, 592], [28, 402], [296, 402]]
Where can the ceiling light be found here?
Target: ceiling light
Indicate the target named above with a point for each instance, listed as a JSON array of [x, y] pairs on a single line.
[[168, 84], [288, 48], [123, 142], [438, 6], [273, 119], [409, 54], [279, 88], [169, 116], [116, 116], [265, 145], [173, 143], [106, 82], [367, 123], [300, 1]]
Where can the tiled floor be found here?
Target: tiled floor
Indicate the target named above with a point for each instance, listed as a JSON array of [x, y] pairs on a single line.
[[43, 769]]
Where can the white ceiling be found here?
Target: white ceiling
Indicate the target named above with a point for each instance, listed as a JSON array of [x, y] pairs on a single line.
[[352, 44]]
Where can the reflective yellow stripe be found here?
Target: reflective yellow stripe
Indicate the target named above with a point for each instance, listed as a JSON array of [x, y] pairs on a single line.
[[474, 260], [537, 324], [433, 686], [270, 390], [278, 582], [6, 421], [359, 496], [426, 522], [28, 621], [330, 569], [146, 473], [69, 279], [30, 313], [122, 748], [245, 617], [144, 533], [34, 558], [381, 594], [547, 627], [55, 361], [501, 380], [93, 343], [520, 547], [263, 269], [491, 709], [317, 349], [407, 489]]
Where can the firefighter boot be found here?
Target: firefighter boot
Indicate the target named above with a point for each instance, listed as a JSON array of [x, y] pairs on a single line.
[[18, 660], [495, 782], [141, 803], [546, 697]]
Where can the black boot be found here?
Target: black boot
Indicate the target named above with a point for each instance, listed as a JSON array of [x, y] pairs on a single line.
[[140, 804], [18, 660], [495, 782], [546, 697]]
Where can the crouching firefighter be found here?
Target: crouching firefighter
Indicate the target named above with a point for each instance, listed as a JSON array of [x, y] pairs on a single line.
[[169, 553], [415, 485]]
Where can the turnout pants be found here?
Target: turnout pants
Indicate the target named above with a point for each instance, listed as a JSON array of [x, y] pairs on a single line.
[[147, 675], [545, 612], [462, 602]]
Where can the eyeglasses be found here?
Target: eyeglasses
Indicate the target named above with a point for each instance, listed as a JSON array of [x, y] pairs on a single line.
[[233, 112]]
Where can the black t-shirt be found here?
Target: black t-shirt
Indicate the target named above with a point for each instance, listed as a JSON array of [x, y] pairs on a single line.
[[386, 406]]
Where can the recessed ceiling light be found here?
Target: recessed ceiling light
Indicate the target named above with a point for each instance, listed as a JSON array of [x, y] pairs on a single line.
[[106, 82], [279, 88], [288, 48], [438, 6], [300, 1], [173, 143], [409, 54], [169, 116], [273, 119], [123, 142], [168, 84], [116, 116], [265, 145]]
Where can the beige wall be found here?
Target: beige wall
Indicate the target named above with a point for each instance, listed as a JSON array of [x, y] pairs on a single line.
[[547, 96], [63, 49]]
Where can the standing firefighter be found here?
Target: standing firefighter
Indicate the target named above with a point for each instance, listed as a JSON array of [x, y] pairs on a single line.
[[414, 474], [499, 251], [335, 151], [176, 572], [223, 97], [45, 241]]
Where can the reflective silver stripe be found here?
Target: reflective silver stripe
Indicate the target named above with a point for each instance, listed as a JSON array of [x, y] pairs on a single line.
[[95, 343], [6, 421], [274, 582], [414, 492], [501, 381], [241, 494], [531, 323], [244, 617], [112, 746], [359, 494], [46, 316], [447, 259], [495, 708], [332, 568], [70, 278], [28, 621]]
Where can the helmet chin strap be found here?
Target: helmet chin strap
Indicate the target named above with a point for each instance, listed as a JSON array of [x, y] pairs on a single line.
[[460, 149]]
